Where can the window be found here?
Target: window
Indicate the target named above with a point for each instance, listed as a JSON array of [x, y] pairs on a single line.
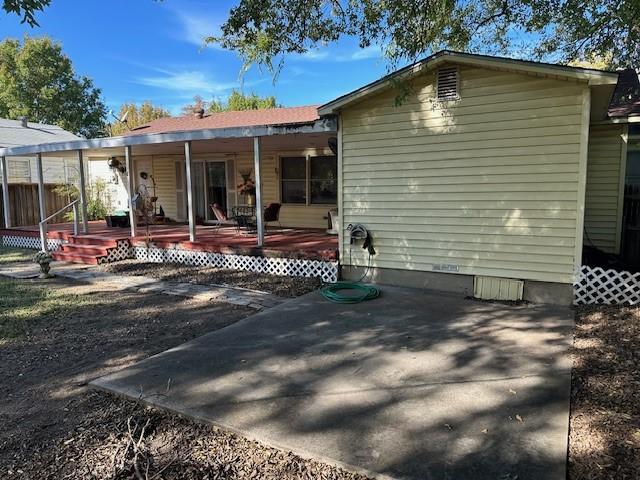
[[312, 180], [323, 180], [447, 83], [19, 171], [293, 179]]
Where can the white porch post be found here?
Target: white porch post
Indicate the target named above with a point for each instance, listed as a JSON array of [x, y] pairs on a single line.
[[259, 211], [132, 185], [191, 211], [83, 194], [5, 192], [41, 202]]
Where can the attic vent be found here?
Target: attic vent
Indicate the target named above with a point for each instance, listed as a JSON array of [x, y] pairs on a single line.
[[447, 83]]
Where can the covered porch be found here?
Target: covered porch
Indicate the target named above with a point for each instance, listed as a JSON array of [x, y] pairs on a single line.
[[170, 181]]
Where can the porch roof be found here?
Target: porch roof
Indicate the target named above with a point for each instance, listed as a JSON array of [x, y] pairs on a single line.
[[327, 124]]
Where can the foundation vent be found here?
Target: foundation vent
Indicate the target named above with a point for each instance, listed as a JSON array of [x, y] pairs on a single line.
[[495, 288]]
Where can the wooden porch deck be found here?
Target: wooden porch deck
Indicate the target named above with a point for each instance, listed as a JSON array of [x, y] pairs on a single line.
[[286, 242]]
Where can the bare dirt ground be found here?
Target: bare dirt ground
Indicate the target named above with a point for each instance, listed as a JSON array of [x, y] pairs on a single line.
[[604, 441], [55, 336], [281, 286]]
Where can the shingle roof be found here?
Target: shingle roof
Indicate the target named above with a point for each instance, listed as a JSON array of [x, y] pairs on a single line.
[[626, 96], [247, 118], [13, 134]]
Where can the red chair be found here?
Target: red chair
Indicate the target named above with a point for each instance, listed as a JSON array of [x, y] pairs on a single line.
[[221, 216], [272, 214]]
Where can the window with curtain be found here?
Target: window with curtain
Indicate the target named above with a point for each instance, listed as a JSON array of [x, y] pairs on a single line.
[[323, 180], [293, 179]]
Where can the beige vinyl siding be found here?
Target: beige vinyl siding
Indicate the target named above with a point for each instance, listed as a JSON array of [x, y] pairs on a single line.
[[98, 169], [300, 216], [488, 184], [164, 173], [602, 205]]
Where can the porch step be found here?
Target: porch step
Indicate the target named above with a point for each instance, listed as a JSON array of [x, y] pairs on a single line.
[[95, 250], [94, 240], [75, 257], [87, 249]]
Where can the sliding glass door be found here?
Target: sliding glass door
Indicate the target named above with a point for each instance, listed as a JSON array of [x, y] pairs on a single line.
[[211, 184], [216, 185]]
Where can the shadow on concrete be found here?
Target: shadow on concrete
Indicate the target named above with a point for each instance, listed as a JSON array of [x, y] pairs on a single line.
[[411, 385]]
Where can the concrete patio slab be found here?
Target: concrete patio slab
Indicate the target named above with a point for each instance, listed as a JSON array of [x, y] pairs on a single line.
[[414, 385]]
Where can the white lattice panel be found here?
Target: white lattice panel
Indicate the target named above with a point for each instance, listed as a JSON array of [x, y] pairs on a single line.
[[327, 271], [122, 251], [593, 286], [17, 241]]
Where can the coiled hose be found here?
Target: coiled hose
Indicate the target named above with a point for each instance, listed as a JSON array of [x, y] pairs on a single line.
[[332, 291]]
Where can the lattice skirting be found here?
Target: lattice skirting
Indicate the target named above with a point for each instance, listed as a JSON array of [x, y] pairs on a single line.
[[327, 271], [122, 251], [594, 285], [17, 241]]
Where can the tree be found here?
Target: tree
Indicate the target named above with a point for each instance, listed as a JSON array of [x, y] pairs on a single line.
[[25, 9], [240, 101], [38, 81], [236, 101], [137, 115], [198, 104], [264, 31]]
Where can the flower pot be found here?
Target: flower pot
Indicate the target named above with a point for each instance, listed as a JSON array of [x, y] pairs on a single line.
[[45, 267]]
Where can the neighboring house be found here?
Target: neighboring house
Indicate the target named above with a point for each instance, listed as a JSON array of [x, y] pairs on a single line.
[[56, 169], [489, 170], [15, 133]]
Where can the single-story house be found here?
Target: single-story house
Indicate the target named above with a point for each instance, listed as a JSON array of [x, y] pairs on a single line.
[[487, 174]]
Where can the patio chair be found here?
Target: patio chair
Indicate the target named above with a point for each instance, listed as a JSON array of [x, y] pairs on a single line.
[[272, 214], [221, 216]]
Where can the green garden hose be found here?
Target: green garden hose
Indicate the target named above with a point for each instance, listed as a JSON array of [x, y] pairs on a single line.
[[332, 293]]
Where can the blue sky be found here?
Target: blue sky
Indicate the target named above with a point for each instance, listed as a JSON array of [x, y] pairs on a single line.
[[136, 50]]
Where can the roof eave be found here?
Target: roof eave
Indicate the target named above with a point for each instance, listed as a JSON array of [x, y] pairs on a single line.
[[592, 77], [322, 125]]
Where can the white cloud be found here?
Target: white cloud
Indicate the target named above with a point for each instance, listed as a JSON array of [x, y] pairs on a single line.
[[194, 22], [197, 27], [190, 82], [372, 51], [312, 55]]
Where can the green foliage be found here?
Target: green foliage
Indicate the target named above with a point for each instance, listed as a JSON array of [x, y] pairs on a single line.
[[237, 101], [38, 81], [263, 32], [240, 101], [99, 199], [25, 9], [138, 115]]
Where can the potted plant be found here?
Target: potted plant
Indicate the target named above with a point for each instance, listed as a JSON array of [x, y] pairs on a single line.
[[247, 188], [43, 259]]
